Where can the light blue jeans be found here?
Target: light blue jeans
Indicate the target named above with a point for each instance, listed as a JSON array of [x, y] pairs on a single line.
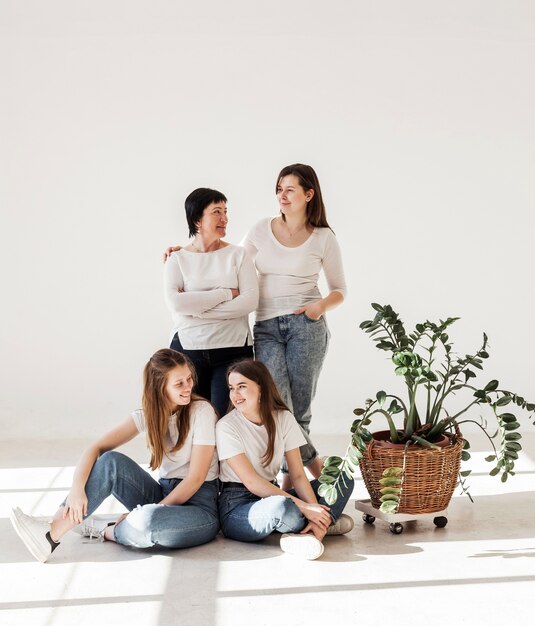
[[293, 348], [246, 517], [149, 523]]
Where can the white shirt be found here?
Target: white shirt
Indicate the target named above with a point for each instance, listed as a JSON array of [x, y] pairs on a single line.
[[288, 277], [235, 434], [206, 316], [201, 433]]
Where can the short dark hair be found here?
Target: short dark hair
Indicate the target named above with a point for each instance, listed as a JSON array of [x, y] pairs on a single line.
[[195, 204]]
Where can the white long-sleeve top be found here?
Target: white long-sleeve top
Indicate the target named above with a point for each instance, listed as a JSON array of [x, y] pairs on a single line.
[[288, 277], [205, 315]]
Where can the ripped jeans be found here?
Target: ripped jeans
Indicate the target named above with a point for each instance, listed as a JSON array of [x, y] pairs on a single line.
[[149, 523]]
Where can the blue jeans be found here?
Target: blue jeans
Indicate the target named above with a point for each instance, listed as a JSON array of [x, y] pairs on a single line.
[[293, 348], [149, 523], [246, 517], [211, 368]]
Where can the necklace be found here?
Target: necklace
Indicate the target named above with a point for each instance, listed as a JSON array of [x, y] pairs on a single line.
[[297, 230]]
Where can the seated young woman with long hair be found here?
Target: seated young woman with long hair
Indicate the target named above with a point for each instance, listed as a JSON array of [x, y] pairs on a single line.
[[179, 510], [251, 442]]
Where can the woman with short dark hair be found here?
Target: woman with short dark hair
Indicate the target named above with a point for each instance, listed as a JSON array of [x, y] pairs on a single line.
[[210, 288]]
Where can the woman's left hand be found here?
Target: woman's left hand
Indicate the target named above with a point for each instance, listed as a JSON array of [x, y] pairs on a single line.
[[313, 311], [318, 531], [315, 513]]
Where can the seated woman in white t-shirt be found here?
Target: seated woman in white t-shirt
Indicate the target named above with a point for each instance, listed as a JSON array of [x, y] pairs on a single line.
[[179, 510], [251, 442], [210, 288]]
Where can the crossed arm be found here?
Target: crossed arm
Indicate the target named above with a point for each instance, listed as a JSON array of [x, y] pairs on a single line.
[[220, 303]]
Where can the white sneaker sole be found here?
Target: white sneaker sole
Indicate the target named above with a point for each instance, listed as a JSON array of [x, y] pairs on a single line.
[[27, 538], [306, 546]]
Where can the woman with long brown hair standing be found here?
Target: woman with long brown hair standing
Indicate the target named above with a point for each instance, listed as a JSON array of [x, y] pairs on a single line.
[[290, 334], [179, 510]]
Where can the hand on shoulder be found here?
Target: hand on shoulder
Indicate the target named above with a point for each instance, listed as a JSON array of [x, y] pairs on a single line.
[[169, 251]]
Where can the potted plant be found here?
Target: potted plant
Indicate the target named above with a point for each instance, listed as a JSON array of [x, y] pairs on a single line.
[[413, 466]]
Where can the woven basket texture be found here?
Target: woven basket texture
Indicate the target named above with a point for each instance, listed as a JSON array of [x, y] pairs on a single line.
[[429, 479]]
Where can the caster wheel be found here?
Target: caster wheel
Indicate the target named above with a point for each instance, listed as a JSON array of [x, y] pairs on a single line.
[[396, 529], [440, 522], [369, 519]]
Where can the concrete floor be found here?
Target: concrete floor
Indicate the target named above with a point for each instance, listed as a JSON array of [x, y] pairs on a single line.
[[478, 570]]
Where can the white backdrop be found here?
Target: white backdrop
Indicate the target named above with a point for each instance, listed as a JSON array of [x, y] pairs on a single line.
[[418, 117]]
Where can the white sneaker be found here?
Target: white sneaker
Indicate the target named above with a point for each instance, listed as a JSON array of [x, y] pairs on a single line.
[[34, 533], [305, 546], [94, 528], [343, 525]]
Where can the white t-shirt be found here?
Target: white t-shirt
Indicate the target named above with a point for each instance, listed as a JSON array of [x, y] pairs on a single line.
[[288, 277], [201, 433], [235, 434], [205, 315]]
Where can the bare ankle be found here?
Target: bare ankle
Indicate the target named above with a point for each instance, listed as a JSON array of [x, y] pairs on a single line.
[[109, 533]]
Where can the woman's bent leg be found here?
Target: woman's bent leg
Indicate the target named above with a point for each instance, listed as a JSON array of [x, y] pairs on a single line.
[[112, 474], [173, 526], [344, 494], [168, 526], [254, 520], [118, 475]]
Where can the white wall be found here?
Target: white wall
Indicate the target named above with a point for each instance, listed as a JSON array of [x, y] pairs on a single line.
[[418, 117]]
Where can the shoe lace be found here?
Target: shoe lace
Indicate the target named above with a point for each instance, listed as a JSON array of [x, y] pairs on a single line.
[[92, 533]]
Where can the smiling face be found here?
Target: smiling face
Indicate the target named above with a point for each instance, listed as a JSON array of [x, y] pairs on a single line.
[[213, 222], [245, 395], [292, 197], [178, 386]]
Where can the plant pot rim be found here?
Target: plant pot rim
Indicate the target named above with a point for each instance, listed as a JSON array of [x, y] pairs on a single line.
[[381, 439]]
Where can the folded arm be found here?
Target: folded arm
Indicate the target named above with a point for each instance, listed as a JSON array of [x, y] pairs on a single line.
[[189, 302], [245, 302]]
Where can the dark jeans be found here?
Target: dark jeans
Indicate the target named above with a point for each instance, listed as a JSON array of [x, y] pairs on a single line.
[[246, 517], [211, 367]]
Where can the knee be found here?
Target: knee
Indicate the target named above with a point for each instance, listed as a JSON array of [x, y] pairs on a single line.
[[108, 462], [286, 510], [141, 518], [136, 530]]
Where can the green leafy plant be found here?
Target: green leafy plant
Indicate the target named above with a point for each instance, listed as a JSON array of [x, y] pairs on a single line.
[[433, 375], [391, 486]]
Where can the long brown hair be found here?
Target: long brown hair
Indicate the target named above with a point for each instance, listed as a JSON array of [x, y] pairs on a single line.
[[270, 398], [156, 403], [308, 179]]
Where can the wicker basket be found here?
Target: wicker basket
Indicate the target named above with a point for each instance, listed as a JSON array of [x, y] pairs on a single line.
[[430, 475]]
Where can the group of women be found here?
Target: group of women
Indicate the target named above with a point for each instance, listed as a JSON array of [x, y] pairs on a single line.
[[221, 474]]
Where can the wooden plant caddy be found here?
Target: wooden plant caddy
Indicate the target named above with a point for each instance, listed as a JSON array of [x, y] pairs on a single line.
[[395, 520]]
